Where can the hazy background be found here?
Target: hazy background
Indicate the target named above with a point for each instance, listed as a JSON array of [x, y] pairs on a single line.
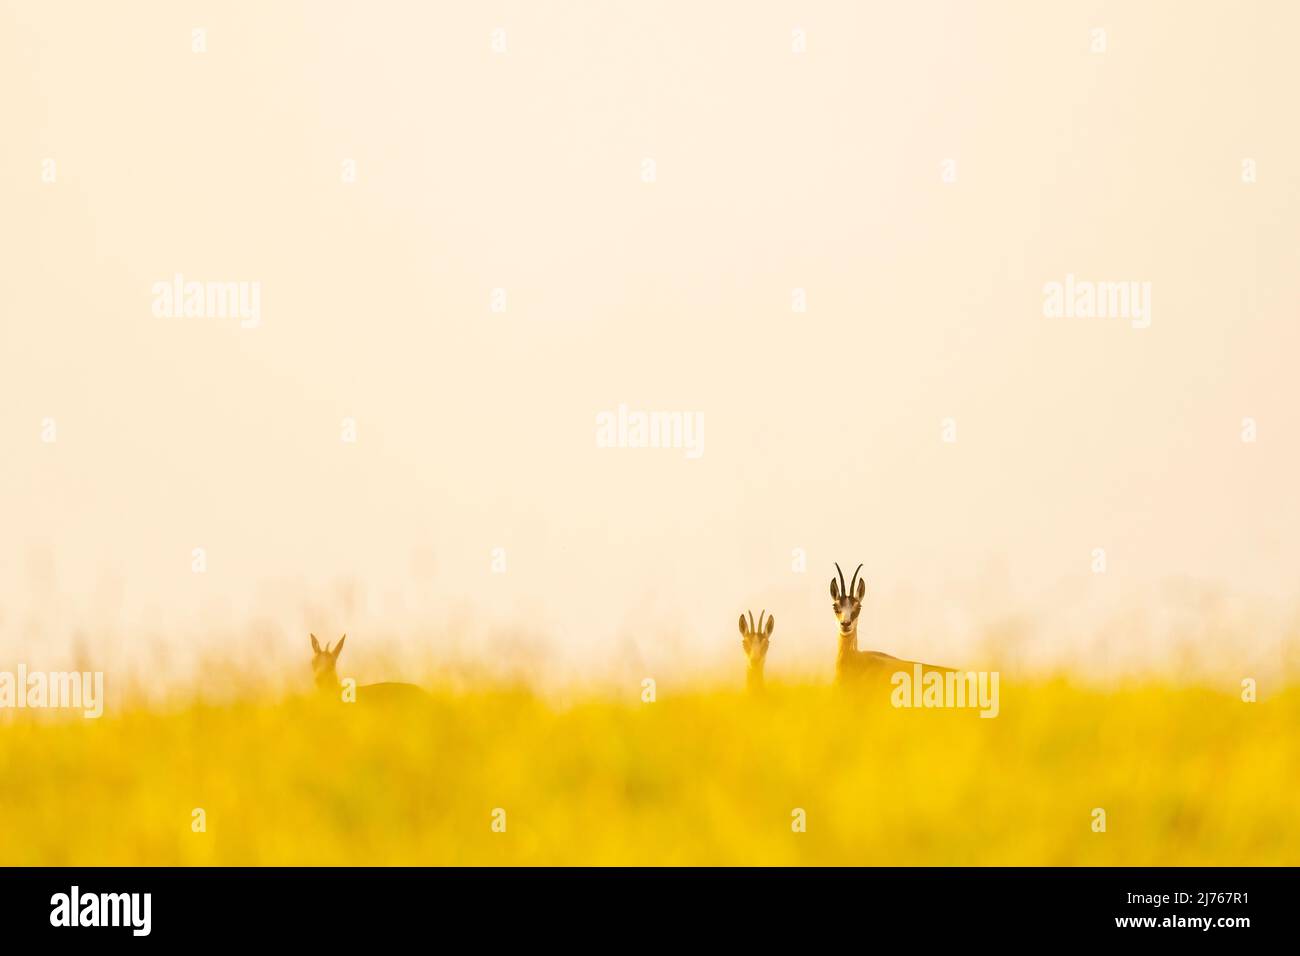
[[476, 430]]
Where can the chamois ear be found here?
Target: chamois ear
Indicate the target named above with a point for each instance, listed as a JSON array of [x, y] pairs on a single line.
[[771, 623], [835, 590], [315, 644], [744, 628], [862, 588], [339, 648]]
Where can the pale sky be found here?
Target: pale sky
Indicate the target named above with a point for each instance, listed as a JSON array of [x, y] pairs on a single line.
[[920, 171]]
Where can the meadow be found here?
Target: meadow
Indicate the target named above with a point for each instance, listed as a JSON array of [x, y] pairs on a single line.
[[1185, 776]]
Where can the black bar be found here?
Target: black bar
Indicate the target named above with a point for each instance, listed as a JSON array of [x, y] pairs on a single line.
[[322, 906]]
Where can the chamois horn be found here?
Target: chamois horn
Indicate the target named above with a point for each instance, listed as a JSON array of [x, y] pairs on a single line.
[[855, 581]]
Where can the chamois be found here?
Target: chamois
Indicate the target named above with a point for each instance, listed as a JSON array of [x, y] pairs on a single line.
[[323, 663], [851, 664], [753, 640]]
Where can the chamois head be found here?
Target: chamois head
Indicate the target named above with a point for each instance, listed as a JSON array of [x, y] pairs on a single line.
[[754, 639], [847, 601], [323, 661]]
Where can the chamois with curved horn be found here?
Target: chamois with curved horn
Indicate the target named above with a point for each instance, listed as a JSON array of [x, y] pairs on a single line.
[[852, 664], [323, 666], [754, 640]]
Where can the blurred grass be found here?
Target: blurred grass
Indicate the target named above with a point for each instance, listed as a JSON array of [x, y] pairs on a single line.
[[1186, 776]]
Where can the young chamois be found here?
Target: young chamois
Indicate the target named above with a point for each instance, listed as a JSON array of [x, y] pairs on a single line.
[[754, 642], [327, 678], [851, 664]]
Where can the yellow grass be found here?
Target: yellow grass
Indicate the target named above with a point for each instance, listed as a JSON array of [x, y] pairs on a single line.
[[1185, 776]]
